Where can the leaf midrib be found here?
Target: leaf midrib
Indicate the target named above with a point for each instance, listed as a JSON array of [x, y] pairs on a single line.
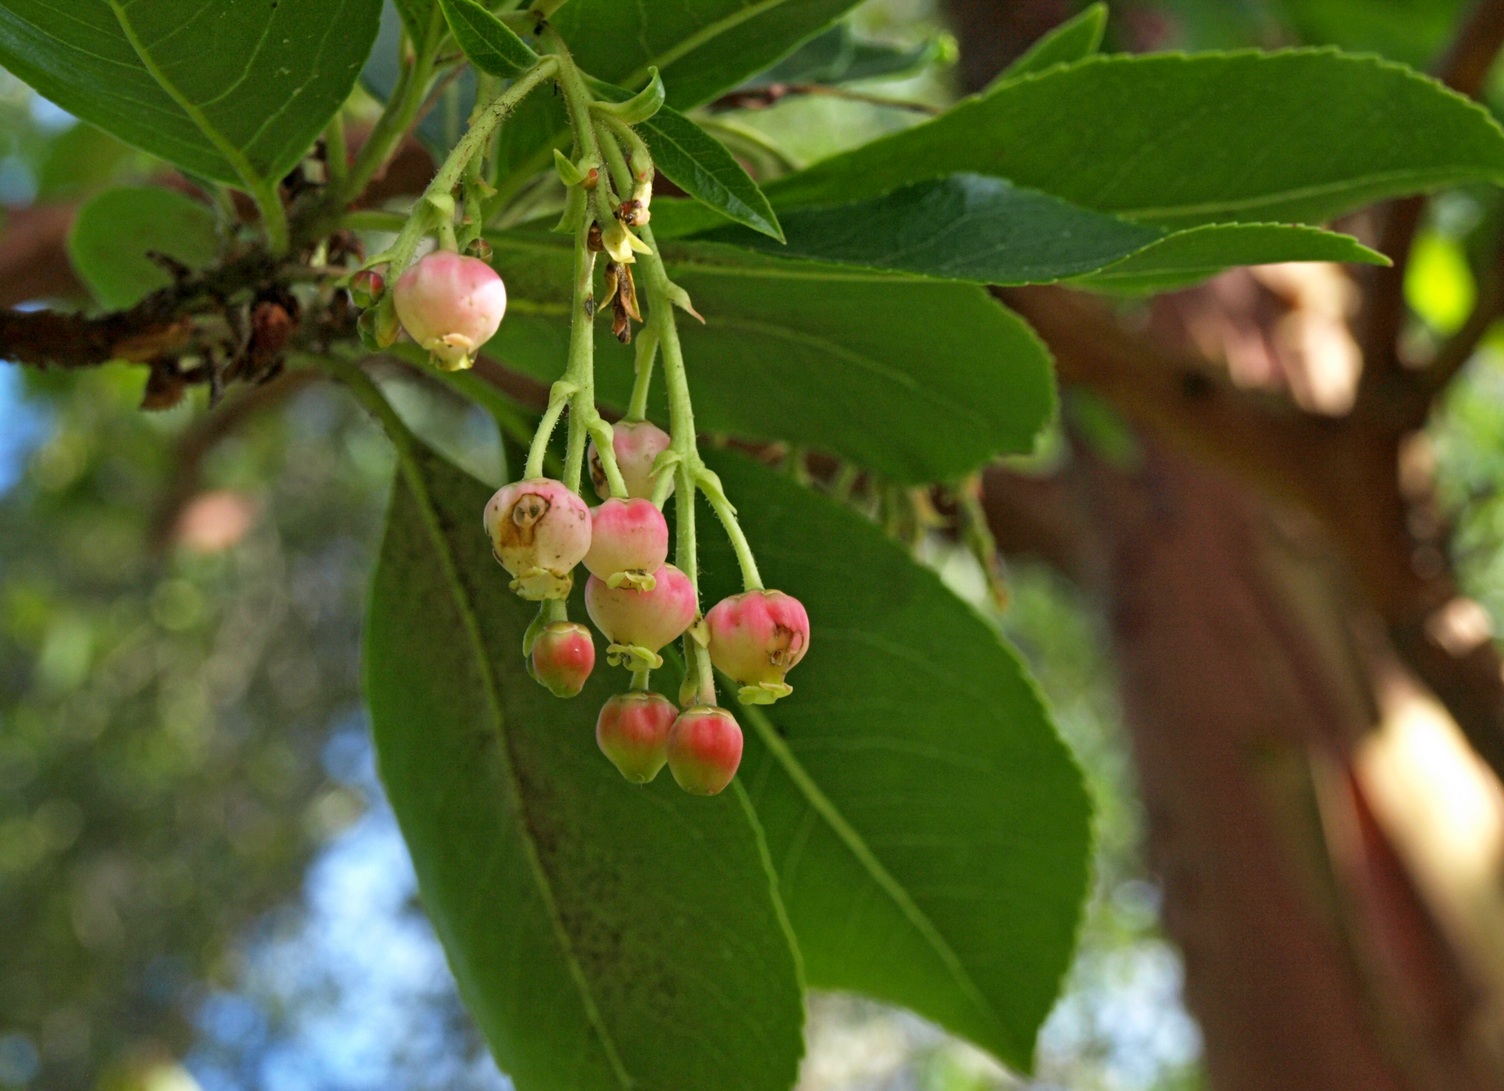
[[459, 592], [233, 155], [821, 804]]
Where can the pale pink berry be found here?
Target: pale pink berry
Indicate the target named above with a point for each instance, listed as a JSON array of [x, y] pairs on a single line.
[[704, 749], [539, 531], [628, 542], [637, 445], [756, 638], [644, 619], [563, 657], [451, 305], [632, 731]]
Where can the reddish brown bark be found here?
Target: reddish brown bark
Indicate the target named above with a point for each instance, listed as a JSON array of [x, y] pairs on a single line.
[[1265, 570]]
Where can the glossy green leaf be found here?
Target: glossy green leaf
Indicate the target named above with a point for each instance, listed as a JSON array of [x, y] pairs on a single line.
[[487, 41], [929, 829], [700, 165], [603, 935], [701, 47], [113, 234], [919, 380], [965, 227], [1184, 257], [1181, 140], [1073, 40], [230, 91], [968, 227]]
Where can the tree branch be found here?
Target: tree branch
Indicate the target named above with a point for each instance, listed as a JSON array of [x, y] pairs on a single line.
[[1345, 473]]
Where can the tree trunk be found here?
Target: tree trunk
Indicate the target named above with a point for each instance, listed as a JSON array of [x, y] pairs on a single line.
[[1236, 673]]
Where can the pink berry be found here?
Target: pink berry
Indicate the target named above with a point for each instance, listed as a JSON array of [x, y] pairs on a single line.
[[539, 531], [451, 305], [633, 732], [756, 638], [704, 749], [644, 619], [637, 445], [628, 542], [563, 657]]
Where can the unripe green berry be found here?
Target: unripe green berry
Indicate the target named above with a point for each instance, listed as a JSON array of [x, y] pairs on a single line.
[[366, 287]]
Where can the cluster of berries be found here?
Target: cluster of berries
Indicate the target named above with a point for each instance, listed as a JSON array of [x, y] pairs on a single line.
[[540, 530]]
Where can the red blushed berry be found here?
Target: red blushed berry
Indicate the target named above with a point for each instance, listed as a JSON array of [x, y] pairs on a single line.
[[628, 542], [637, 445], [366, 287], [756, 638], [632, 731], [539, 531], [646, 620], [451, 305], [704, 749], [563, 657]]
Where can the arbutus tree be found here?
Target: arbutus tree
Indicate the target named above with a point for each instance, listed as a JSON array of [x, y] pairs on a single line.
[[891, 811]]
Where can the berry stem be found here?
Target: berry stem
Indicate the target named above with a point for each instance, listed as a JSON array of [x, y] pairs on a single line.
[[558, 398], [473, 143], [647, 356], [711, 487], [580, 370], [400, 114]]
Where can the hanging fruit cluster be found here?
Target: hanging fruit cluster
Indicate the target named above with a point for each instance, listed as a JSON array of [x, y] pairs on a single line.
[[541, 530]]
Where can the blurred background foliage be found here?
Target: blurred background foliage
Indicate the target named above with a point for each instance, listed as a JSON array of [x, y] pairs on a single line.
[[199, 882]]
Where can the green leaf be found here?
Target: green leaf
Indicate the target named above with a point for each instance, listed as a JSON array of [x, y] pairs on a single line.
[[839, 56], [486, 40], [1184, 257], [968, 227], [701, 47], [1181, 140], [1413, 32], [1073, 40], [965, 227], [918, 380], [930, 831], [112, 234], [603, 935], [81, 160], [700, 165], [230, 91]]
